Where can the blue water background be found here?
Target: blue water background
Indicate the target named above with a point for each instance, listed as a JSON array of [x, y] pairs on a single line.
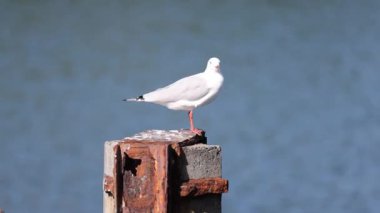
[[298, 118]]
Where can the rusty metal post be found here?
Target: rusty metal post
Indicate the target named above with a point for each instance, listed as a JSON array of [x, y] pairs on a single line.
[[162, 171]]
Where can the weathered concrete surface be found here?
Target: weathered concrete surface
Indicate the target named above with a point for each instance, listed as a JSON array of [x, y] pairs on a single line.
[[200, 161], [172, 136]]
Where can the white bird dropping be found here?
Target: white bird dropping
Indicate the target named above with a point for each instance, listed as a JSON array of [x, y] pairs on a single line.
[[188, 93]]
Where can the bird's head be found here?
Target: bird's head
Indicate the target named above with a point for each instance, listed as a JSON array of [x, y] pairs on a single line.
[[213, 64]]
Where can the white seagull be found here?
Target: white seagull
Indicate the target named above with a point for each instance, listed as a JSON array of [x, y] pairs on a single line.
[[188, 93]]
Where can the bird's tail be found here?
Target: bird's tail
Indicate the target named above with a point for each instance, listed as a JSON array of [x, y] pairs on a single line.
[[140, 98]]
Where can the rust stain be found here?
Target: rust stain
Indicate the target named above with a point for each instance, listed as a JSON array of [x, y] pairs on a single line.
[[144, 173], [177, 149], [198, 187], [109, 185], [194, 140], [138, 173]]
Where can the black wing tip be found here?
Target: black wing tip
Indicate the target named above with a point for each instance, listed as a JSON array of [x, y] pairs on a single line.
[[140, 98]]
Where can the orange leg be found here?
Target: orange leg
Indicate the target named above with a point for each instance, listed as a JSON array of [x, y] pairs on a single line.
[[192, 128]]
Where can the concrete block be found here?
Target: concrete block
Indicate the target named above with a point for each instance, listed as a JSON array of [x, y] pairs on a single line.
[[200, 161]]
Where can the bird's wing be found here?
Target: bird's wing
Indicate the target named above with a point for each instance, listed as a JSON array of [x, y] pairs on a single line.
[[190, 88]]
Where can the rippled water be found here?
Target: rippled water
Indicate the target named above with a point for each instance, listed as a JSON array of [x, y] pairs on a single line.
[[298, 118]]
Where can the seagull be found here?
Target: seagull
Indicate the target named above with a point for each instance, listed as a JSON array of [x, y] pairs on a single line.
[[188, 93]]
